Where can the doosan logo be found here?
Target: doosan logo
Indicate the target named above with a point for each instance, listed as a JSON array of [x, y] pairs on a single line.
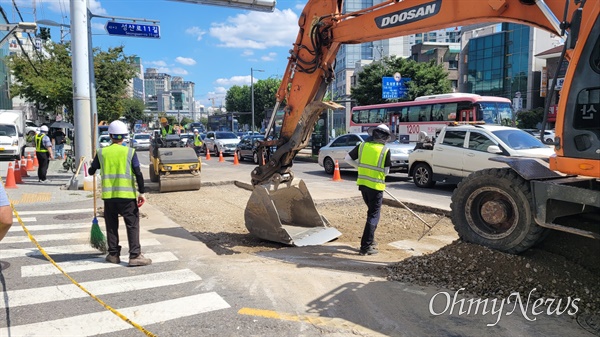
[[409, 15]]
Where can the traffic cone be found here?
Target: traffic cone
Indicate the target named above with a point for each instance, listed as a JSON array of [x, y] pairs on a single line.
[[24, 168], [235, 159], [18, 178], [207, 154], [35, 160], [10, 178], [336, 172], [29, 163], [221, 159]]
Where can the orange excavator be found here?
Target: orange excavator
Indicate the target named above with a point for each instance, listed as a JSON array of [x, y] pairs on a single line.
[[506, 209]]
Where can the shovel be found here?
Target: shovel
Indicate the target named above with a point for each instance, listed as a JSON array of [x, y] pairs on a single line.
[[430, 227], [74, 183]]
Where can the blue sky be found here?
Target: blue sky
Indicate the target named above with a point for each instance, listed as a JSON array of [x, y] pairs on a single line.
[[214, 47]]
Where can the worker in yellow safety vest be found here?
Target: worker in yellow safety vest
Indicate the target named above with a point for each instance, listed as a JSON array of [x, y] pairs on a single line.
[[372, 159], [166, 128], [197, 142], [43, 152], [121, 171]]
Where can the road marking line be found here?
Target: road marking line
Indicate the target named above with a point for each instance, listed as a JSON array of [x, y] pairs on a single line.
[[35, 228], [89, 264], [46, 238], [28, 198], [69, 249], [64, 211], [70, 291], [106, 322], [334, 322]]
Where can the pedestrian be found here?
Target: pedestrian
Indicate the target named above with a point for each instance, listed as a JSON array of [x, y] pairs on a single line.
[[372, 159], [43, 151], [197, 142], [59, 144], [165, 128], [120, 171], [6, 217]]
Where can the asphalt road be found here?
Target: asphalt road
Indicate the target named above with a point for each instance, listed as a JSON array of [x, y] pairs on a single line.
[[191, 291]]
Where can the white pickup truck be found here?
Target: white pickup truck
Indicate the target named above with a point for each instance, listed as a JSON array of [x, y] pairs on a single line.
[[12, 126], [460, 150]]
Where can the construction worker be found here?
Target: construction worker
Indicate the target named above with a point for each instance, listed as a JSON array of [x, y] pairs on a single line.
[[120, 171], [6, 216], [43, 151], [197, 142], [372, 159], [165, 128]]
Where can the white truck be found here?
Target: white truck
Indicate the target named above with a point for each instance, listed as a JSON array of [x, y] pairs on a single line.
[[12, 126], [460, 150]]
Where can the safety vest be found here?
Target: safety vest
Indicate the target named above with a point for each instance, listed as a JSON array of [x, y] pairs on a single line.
[[371, 169], [197, 140], [165, 132], [118, 180], [39, 144]]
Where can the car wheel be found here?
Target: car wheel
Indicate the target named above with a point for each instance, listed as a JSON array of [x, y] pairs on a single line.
[[493, 208], [549, 140], [328, 165], [216, 151], [423, 175], [255, 157], [239, 155]]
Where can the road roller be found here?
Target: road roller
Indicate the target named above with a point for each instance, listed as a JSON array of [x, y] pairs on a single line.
[[173, 167]]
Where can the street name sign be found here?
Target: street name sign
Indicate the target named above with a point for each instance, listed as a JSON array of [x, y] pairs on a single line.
[[132, 29]]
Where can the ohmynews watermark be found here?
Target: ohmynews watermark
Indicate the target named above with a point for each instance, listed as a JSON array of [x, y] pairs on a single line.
[[472, 306]]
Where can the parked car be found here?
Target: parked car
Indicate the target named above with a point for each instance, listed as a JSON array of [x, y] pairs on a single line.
[[221, 141], [184, 138], [340, 146], [460, 150], [141, 141], [247, 148], [549, 135], [104, 141]]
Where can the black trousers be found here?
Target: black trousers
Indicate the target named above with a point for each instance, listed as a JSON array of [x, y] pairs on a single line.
[[131, 214], [198, 149], [43, 161], [373, 199]]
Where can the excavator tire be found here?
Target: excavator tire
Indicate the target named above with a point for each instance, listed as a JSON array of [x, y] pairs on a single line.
[[494, 208]]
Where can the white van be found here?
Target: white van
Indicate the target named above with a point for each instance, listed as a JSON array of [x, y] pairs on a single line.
[[10, 142]]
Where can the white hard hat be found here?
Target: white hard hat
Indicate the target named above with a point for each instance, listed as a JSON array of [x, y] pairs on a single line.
[[117, 128], [380, 127], [44, 128], [195, 130]]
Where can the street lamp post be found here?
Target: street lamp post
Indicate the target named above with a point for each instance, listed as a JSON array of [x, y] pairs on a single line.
[[252, 95]]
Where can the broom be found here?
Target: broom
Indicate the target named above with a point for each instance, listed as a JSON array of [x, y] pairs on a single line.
[[97, 238]]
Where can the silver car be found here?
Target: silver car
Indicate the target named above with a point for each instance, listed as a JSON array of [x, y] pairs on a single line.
[[339, 147], [140, 141]]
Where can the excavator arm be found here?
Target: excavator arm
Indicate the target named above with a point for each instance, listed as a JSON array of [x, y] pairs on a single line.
[[323, 28]]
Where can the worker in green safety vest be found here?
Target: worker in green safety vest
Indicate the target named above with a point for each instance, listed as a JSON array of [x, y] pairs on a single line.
[[197, 141], [372, 159], [121, 171]]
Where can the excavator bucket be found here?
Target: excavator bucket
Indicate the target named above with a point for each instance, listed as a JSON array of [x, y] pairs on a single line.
[[286, 213]]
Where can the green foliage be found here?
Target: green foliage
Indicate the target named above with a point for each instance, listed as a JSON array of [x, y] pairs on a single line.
[[529, 119], [239, 98], [49, 84], [426, 79], [133, 110]]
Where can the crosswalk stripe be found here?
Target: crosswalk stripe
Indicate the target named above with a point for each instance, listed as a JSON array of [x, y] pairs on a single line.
[[69, 249], [45, 238], [89, 264], [35, 228], [106, 322], [59, 211], [70, 291], [30, 219]]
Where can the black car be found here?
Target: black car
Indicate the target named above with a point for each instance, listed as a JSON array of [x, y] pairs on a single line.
[[247, 148]]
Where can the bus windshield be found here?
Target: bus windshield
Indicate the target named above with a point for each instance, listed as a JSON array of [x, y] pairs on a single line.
[[499, 113]]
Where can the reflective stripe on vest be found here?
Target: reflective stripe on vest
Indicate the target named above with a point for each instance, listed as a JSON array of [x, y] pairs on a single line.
[[371, 165], [39, 144], [118, 180], [197, 140]]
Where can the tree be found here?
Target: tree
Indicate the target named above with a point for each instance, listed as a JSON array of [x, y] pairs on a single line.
[[239, 98], [529, 119], [427, 78], [133, 110], [47, 80]]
